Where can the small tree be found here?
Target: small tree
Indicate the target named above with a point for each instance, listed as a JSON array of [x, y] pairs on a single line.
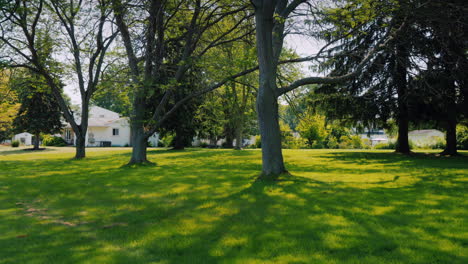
[[39, 111], [312, 128]]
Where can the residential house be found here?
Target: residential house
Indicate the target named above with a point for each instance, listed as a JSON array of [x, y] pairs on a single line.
[[105, 128]]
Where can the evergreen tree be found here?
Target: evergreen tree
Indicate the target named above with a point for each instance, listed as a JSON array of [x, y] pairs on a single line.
[[39, 111]]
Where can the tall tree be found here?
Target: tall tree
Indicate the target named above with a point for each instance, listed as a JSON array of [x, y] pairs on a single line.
[[271, 18], [9, 105], [195, 27], [381, 90], [39, 111], [85, 31]]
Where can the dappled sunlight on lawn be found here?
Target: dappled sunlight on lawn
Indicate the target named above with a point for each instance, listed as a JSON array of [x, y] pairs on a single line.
[[206, 206]]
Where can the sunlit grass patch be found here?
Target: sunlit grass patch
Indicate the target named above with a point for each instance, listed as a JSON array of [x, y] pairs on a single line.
[[205, 206]]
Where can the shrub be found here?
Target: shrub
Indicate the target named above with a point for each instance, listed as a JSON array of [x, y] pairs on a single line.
[[462, 137], [388, 145], [437, 143], [226, 145], [258, 142], [332, 143], [15, 143], [166, 140], [150, 144], [48, 140], [356, 142], [345, 142], [366, 143], [298, 143]]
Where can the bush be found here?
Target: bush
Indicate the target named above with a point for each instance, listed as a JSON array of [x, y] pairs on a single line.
[[15, 143], [436, 143], [149, 144], [462, 137], [388, 145], [258, 142], [48, 140], [345, 142], [332, 143], [356, 142], [297, 143], [166, 140]]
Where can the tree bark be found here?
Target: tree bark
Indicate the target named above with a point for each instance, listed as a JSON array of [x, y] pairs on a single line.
[[267, 99], [80, 146], [272, 156], [402, 145], [179, 140], [36, 141], [401, 82], [451, 138], [451, 121], [139, 145]]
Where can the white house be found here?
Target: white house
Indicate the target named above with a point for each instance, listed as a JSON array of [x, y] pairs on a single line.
[[426, 136], [24, 138], [105, 128]]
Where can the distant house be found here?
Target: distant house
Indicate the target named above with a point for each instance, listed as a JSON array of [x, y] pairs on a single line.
[[24, 138], [374, 135], [425, 137], [105, 128]]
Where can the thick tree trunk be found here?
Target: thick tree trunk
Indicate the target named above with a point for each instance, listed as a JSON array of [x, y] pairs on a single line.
[[80, 146], [267, 104], [229, 140], [451, 138], [272, 156], [402, 145], [451, 121], [139, 139], [178, 142], [139, 145], [36, 141]]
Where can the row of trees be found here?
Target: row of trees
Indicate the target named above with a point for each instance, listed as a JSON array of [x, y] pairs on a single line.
[[163, 57], [419, 78]]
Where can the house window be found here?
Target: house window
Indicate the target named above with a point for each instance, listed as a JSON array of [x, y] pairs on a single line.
[[68, 135], [115, 131]]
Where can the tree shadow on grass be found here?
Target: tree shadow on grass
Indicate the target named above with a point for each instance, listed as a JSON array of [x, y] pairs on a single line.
[[24, 151], [212, 211]]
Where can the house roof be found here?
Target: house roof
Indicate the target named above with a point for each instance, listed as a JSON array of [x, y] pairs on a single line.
[[100, 117], [424, 132]]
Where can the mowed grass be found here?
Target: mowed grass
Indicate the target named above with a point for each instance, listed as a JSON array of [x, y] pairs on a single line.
[[205, 206]]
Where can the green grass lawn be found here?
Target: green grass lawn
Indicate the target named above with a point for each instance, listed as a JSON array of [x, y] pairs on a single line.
[[205, 206]]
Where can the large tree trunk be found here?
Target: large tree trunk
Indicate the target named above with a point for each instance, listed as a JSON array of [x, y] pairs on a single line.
[[139, 139], [451, 121], [80, 146], [36, 141], [402, 145], [228, 132], [139, 145], [451, 138], [178, 143], [267, 104], [272, 156]]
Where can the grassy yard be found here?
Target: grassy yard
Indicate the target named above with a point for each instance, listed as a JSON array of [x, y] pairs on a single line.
[[204, 206]]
